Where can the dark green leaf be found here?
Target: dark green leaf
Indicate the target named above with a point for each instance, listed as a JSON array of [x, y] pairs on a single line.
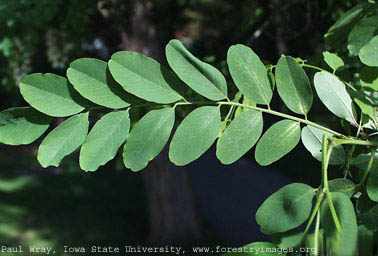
[[365, 241], [342, 185], [196, 133], [277, 141], [292, 203], [372, 184], [367, 212]]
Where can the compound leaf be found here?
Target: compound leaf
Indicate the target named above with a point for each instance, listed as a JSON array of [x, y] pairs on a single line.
[[148, 138], [369, 53], [344, 243], [63, 140], [200, 76], [144, 77], [92, 79], [334, 96], [249, 74], [19, 126], [312, 140], [51, 94], [292, 203], [293, 85], [277, 141], [104, 140], [196, 133], [240, 136]]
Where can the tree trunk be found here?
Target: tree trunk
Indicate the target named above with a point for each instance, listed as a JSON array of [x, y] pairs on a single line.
[[172, 212]]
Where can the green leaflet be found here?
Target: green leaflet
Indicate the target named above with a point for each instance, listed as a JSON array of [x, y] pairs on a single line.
[[63, 140], [240, 136], [200, 76], [292, 203], [334, 61], [369, 53], [144, 77], [369, 78], [256, 249], [340, 244], [104, 140], [312, 140], [334, 96], [365, 241], [148, 138], [249, 74], [338, 32], [367, 211], [293, 85], [342, 185], [277, 141], [291, 238], [362, 161], [362, 33], [51, 94], [19, 126], [372, 184], [196, 133], [92, 79]]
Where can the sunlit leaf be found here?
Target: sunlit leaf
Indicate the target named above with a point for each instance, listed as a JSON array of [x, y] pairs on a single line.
[[144, 77], [249, 74], [19, 126], [277, 141], [293, 85], [240, 136], [104, 140], [63, 140], [292, 203], [148, 138], [369, 53], [200, 76], [334, 61], [196, 133]]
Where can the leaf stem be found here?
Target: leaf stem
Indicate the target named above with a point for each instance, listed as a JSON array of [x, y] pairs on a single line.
[[326, 154], [316, 233], [314, 211]]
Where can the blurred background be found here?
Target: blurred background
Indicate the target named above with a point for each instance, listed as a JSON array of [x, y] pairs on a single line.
[[203, 204]]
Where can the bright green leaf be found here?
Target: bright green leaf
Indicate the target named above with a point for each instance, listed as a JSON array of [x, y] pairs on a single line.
[[50, 94], [148, 138], [292, 203], [196, 133], [144, 77], [344, 243], [334, 96], [240, 136], [342, 185], [293, 85], [277, 141], [200, 76], [334, 61], [63, 140], [104, 140], [249, 74], [92, 79], [369, 53], [312, 140], [19, 126], [255, 249]]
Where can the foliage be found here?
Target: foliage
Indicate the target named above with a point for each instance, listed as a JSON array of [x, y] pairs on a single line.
[[237, 123]]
